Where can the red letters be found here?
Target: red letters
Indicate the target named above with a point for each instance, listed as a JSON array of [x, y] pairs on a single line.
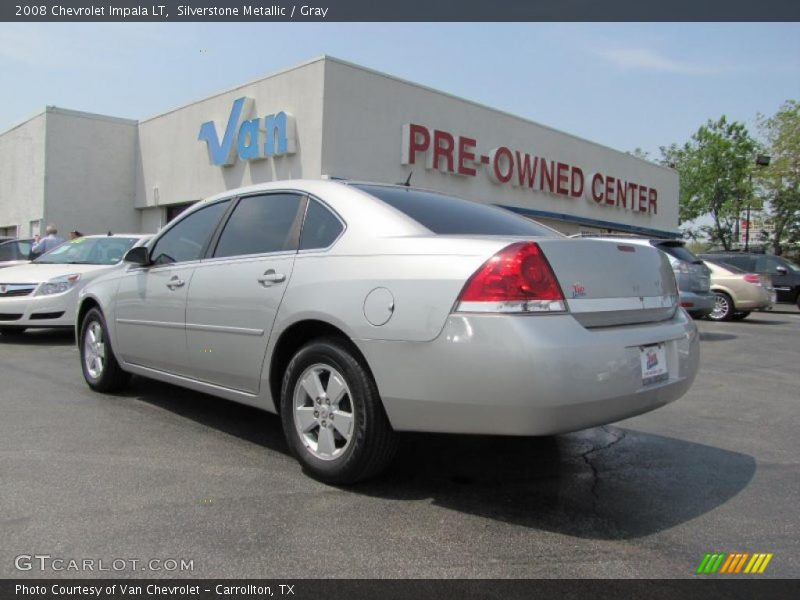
[[576, 189], [443, 145], [526, 171], [598, 178], [653, 201], [562, 179], [416, 138], [465, 156], [500, 156]]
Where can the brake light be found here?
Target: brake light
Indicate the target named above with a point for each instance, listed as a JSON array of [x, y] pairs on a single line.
[[518, 279], [752, 278]]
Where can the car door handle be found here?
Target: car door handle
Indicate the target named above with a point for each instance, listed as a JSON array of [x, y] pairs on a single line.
[[270, 276], [175, 282]]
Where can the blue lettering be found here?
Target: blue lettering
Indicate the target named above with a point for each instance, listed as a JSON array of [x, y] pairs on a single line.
[[246, 142]]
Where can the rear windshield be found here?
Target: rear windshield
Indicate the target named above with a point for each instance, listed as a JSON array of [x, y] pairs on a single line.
[[445, 215], [676, 250]]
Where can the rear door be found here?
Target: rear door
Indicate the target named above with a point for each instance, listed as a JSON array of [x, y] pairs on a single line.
[[236, 290], [783, 282]]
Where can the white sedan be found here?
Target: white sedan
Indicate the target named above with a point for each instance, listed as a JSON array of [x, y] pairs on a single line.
[[44, 293]]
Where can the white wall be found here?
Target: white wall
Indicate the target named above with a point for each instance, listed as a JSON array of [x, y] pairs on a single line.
[[173, 160], [90, 173], [365, 112], [22, 174]]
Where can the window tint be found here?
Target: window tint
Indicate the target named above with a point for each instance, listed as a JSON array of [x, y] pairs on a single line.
[[321, 227], [185, 240], [448, 215], [743, 262], [767, 264], [8, 251], [261, 224], [24, 248]]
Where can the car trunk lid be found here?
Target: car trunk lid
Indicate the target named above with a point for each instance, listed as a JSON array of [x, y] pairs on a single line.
[[609, 283]]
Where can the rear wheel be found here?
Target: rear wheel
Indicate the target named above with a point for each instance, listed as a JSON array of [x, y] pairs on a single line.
[[100, 367], [12, 331], [723, 307], [332, 414], [740, 315]]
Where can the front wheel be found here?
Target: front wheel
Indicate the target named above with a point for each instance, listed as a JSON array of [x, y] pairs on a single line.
[[332, 415], [723, 307], [100, 367]]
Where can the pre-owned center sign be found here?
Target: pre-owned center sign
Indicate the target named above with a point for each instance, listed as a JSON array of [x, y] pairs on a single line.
[[458, 155]]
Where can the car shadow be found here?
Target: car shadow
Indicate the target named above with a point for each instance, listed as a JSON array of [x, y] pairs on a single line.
[[602, 483], [709, 336], [40, 337]]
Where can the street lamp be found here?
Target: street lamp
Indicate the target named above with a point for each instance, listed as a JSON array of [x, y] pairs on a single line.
[[762, 160]]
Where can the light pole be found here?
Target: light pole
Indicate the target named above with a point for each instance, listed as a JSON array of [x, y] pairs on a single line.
[[762, 160]]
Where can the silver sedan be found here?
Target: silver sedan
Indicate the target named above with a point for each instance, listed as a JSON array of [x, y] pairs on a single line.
[[359, 310]]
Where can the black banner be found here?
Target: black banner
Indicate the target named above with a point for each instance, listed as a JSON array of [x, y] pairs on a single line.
[[405, 10], [393, 589]]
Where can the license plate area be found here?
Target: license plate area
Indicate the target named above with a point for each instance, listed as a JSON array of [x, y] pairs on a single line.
[[653, 359]]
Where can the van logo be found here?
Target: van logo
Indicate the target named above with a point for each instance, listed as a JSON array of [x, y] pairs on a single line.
[[253, 138]]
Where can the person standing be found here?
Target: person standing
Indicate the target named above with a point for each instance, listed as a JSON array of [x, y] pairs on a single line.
[[47, 243]]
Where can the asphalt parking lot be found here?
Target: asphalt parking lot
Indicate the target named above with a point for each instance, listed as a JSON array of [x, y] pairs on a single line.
[[163, 473]]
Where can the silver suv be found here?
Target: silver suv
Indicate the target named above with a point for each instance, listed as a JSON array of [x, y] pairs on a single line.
[[691, 274]]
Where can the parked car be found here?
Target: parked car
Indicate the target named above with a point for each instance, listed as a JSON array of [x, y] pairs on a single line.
[[738, 293], [44, 293], [692, 276], [15, 252], [784, 274], [359, 310]]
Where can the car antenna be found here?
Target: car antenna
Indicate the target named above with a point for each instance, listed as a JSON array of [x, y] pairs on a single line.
[[407, 182]]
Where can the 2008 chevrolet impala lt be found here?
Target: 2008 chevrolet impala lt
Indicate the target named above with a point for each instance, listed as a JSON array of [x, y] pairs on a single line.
[[358, 310]]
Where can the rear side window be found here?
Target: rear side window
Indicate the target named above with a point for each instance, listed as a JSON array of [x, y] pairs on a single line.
[[743, 262], [448, 215], [186, 239], [261, 224], [321, 227], [678, 251]]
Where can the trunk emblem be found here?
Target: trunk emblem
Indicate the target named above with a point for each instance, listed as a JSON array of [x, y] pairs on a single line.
[[578, 291]]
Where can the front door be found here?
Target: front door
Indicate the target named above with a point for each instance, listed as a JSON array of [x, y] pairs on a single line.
[[150, 312]]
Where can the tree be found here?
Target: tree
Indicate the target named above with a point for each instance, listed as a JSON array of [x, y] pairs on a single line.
[[715, 168], [781, 179]]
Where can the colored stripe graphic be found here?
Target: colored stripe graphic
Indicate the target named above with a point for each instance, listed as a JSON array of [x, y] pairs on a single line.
[[724, 563]]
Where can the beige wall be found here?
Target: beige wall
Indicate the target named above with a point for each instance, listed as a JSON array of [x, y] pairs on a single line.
[[90, 173], [365, 112], [172, 160], [22, 174]]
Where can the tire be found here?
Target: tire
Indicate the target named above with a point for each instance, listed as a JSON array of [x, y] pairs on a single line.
[[102, 373], [723, 307], [357, 446], [740, 315], [12, 331]]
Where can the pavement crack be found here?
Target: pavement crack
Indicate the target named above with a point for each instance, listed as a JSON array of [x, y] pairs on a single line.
[[617, 436]]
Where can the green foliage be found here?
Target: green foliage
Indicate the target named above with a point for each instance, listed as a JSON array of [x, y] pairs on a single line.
[[780, 182], [715, 169]]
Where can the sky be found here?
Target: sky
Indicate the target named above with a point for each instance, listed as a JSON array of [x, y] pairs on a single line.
[[625, 85]]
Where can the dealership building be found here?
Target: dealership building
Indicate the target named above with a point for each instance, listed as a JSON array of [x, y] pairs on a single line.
[[324, 118]]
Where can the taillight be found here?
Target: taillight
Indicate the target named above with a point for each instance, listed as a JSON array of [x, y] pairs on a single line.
[[518, 279], [752, 278]]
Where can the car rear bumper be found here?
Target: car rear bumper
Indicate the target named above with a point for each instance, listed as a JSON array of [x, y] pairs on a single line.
[[528, 375], [38, 311], [698, 304]]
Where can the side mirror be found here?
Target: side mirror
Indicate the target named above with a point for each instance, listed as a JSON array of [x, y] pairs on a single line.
[[781, 270], [138, 256]]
